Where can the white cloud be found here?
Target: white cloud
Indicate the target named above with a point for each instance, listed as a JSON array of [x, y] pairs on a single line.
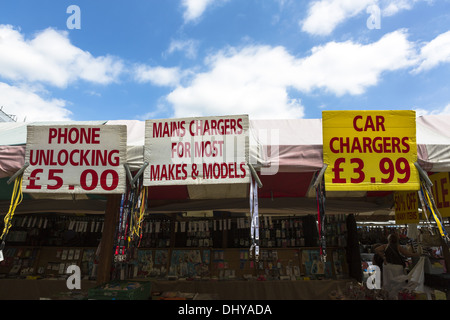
[[391, 7], [194, 9], [435, 52], [50, 58], [189, 47], [253, 80], [28, 66], [394, 6], [159, 76], [440, 111], [27, 104], [349, 68], [257, 79], [325, 15], [446, 109]]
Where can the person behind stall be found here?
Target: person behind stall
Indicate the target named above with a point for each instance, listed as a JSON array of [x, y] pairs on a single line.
[[393, 252], [393, 255], [378, 259]]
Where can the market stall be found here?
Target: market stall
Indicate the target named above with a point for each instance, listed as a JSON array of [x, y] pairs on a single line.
[[287, 156]]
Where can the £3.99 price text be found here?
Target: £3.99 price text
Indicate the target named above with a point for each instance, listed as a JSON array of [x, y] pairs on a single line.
[[387, 167]]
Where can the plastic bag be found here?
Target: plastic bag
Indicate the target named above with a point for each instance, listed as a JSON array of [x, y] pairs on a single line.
[[395, 281], [417, 275]]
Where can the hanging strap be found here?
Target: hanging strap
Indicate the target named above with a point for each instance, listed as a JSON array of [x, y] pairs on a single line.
[[424, 208], [320, 197], [16, 199], [256, 220], [118, 252], [138, 211], [254, 216], [131, 218], [425, 188], [434, 212], [252, 234]]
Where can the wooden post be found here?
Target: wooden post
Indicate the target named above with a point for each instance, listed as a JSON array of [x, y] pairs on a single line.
[[107, 241]]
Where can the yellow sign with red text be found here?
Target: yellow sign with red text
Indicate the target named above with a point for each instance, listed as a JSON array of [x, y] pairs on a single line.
[[370, 150], [441, 192], [406, 207]]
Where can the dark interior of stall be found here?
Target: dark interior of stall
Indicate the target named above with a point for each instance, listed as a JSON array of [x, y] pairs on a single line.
[[204, 254]]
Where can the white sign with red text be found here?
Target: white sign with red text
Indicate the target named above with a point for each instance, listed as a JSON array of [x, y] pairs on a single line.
[[200, 150], [75, 159]]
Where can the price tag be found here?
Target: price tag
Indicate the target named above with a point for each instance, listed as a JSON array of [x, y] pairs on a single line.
[[75, 159], [406, 207], [441, 192], [370, 150]]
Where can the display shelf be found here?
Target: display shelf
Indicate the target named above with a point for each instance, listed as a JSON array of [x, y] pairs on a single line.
[[45, 229], [45, 262], [19, 261], [233, 263], [226, 231]]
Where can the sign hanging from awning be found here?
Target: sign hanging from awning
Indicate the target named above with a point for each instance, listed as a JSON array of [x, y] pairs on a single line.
[[199, 150], [370, 150], [441, 192], [406, 207], [75, 159]]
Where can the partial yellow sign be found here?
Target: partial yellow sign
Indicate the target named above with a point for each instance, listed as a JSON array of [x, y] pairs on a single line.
[[406, 207], [441, 192], [370, 150]]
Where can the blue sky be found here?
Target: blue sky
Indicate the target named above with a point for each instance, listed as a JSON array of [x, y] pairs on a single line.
[[138, 60]]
